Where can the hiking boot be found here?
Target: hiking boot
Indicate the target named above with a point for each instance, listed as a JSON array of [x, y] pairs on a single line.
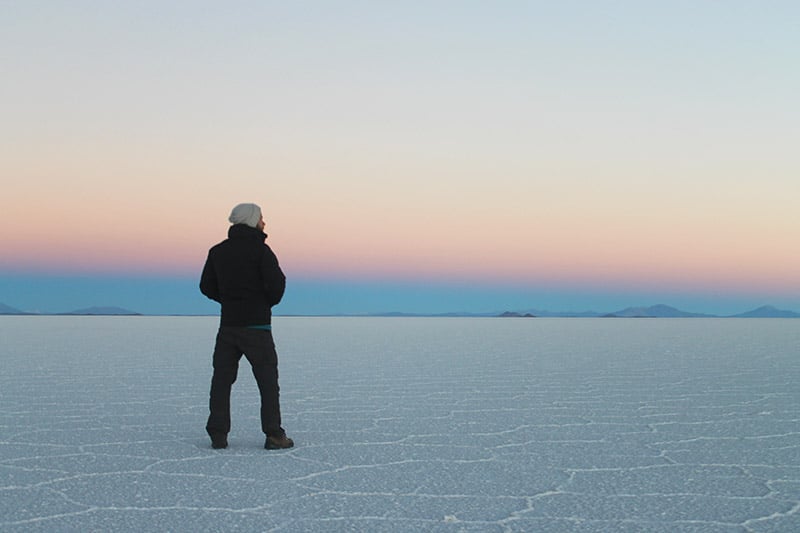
[[278, 443], [219, 441]]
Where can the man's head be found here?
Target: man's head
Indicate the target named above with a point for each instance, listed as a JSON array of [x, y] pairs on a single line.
[[249, 214]]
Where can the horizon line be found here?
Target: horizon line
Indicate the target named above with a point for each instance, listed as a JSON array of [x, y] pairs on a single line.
[[529, 313]]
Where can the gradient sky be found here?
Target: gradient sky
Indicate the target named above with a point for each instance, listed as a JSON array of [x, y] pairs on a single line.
[[408, 156]]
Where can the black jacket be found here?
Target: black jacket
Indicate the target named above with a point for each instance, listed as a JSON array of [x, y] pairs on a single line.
[[242, 273]]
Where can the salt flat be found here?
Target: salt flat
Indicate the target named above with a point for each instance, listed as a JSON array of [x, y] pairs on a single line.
[[401, 424]]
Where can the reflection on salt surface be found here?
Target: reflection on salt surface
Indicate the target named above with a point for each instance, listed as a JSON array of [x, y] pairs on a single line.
[[431, 424]]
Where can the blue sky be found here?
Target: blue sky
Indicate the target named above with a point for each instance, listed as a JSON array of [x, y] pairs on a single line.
[[409, 156]]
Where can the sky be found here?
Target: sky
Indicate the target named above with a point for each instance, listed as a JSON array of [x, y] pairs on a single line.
[[408, 156]]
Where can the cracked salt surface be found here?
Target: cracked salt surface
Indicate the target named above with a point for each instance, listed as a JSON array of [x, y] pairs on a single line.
[[406, 424]]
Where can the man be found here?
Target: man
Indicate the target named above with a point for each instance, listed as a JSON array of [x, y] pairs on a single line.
[[242, 274]]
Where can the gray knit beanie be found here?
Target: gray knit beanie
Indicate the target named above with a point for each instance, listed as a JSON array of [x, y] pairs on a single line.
[[248, 214]]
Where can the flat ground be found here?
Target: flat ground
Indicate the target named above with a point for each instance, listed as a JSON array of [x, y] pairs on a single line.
[[406, 425]]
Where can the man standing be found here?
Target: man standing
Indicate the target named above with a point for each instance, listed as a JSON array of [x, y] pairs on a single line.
[[242, 274]]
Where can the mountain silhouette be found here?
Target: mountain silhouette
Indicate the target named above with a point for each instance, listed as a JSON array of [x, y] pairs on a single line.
[[654, 311], [110, 310], [8, 310], [767, 311]]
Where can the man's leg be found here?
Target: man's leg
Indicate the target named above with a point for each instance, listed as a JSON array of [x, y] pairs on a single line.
[[226, 366], [259, 348]]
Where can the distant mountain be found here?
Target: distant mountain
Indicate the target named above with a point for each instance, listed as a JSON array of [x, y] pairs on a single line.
[[561, 314], [8, 310], [514, 314], [103, 311], [767, 311], [655, 311]]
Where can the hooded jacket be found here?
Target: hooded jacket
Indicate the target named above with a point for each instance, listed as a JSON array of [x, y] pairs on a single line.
[[242, 273]]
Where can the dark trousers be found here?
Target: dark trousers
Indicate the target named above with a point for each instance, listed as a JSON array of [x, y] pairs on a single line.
[[259, 348]]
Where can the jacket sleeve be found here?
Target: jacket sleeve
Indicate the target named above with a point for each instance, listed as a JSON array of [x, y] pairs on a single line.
[[274, 279], [208, 281]]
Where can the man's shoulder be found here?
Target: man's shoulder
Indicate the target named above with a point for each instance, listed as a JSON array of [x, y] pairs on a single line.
[[239, 244], [219, 245]]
